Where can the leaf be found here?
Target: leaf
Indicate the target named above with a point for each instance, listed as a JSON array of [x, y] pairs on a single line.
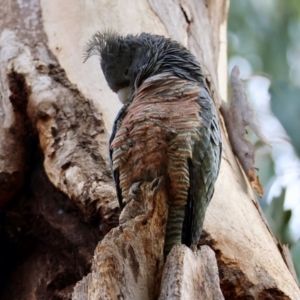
[[278, 218], [286, 106]]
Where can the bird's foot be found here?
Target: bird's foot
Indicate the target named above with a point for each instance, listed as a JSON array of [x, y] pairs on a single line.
[[157, 184], [193, 247], [134, 191]]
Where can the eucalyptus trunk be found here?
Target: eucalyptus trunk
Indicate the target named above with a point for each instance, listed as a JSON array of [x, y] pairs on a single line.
[[60, 236]]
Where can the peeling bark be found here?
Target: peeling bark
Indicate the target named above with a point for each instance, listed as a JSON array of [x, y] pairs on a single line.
[[129, 260], [236, 117], [56, 191], [54, 178], [191, 275]]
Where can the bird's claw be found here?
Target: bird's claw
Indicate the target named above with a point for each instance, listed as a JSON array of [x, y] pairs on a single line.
[[134, 190], [157, 184]]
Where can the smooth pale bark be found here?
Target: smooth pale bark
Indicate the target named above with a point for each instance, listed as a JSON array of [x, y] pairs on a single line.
[[72, 132]]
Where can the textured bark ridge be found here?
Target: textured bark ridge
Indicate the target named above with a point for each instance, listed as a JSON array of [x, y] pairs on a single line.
[[129, 260], [56, 193], [57, 197], [192, 274], [14, 139], [236, 117]]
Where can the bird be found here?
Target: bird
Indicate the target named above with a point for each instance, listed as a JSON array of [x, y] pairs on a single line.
[[168, 126]]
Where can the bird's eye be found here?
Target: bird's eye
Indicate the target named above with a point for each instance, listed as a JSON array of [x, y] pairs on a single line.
[[126, 72]]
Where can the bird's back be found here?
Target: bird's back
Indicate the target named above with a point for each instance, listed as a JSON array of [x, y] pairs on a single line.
[[168, 126], [160, 135], [157, 134]]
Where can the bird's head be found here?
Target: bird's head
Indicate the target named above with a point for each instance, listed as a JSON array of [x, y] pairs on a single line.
[[127, 61], [118, 56]]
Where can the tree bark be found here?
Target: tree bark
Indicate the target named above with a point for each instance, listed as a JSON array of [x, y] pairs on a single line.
[[56, 191]]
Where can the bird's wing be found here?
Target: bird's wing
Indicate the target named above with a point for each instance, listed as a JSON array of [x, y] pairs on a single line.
[[203, 168], [116, 174]]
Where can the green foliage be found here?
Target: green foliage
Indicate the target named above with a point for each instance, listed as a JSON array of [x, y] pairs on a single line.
[[278, 219], [267, 34], [262, 32], [295, 250], [286, 106]]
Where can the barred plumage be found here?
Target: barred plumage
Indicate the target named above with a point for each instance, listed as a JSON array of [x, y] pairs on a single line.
[[168, 127]]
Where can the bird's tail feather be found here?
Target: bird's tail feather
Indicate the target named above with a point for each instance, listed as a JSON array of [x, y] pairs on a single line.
[[174, 227]]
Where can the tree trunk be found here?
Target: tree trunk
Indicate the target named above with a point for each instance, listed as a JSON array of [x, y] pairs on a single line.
[[56, 191]]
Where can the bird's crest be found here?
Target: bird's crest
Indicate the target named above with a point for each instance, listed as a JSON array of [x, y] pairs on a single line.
[[101, 43]]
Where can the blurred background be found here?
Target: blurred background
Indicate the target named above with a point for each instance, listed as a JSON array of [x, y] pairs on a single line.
[[264, 41]]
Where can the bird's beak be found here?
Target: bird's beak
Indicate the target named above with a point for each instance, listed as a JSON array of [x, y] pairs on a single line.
[[123, 94]]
